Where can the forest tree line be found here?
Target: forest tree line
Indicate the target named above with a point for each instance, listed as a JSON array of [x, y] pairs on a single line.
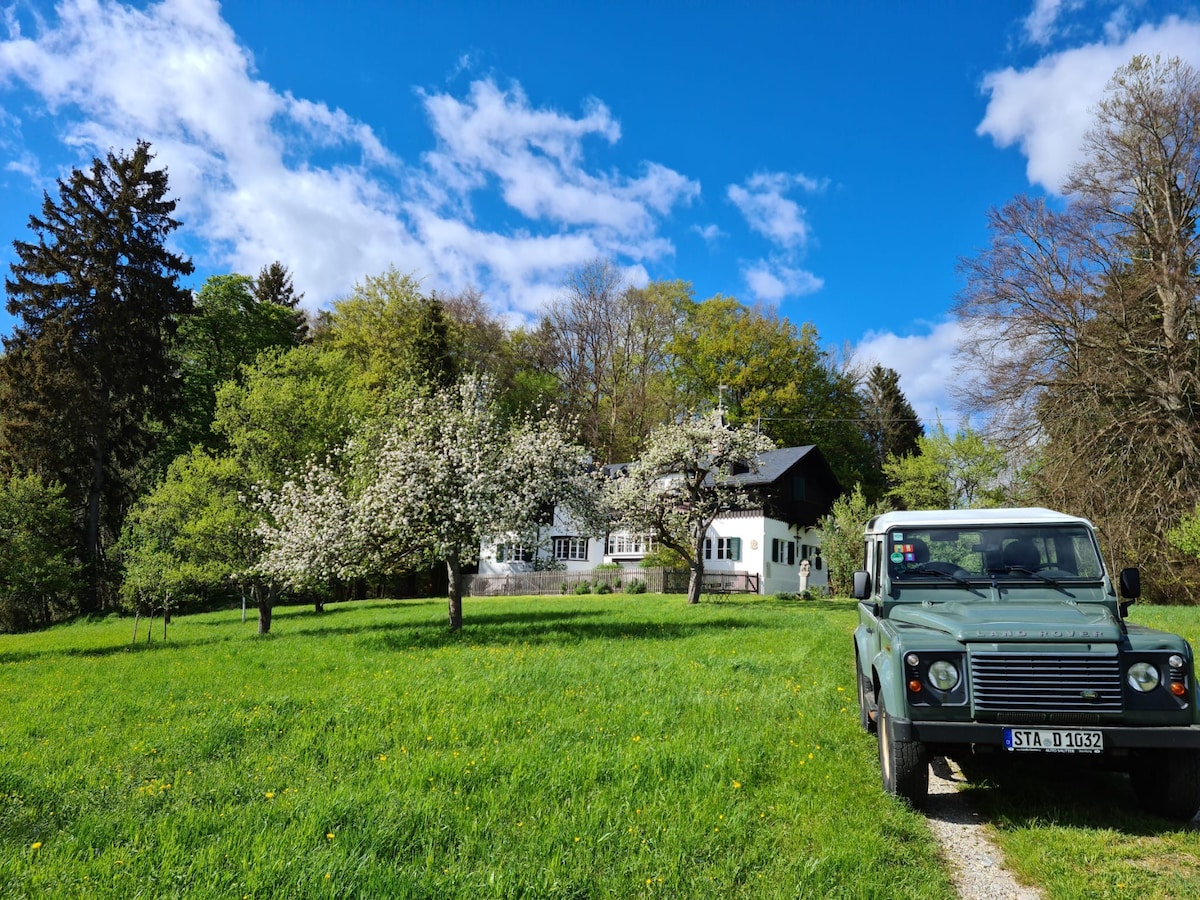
[[139, 417]]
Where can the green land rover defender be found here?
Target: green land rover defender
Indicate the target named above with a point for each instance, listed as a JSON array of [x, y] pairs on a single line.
[[1001, 630]]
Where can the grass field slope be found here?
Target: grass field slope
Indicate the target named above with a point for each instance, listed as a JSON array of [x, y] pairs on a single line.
[[576, 746]]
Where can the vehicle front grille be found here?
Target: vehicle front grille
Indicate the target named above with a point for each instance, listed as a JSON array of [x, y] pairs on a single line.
[[1045, 683]]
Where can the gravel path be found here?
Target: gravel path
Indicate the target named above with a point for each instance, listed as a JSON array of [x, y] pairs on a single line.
[[977, 866]]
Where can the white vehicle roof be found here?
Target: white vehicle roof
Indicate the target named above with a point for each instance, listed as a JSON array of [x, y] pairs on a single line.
[[962, 518]]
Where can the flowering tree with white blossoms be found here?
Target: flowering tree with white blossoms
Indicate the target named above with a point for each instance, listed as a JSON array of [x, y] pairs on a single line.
[[451, 473], [447, 473], [682, 482], [308, 532]]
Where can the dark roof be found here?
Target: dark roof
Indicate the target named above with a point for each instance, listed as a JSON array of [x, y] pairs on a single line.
[[771, 465], [768, 466]]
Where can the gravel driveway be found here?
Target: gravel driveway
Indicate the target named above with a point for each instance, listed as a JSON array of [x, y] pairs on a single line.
[[976, 865]]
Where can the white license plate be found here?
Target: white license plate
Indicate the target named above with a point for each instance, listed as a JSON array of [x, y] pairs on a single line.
[[1053, 740]]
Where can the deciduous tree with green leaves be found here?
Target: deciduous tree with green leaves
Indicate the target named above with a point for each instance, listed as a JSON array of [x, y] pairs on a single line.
[[949, 471], [842, 537], [767, 373], [37, 571], [228, 329], [194, 536]]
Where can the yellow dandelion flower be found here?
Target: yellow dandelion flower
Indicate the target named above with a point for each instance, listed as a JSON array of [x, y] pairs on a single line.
[[329, 836], [36, 845], [270, 795], [737, 784]]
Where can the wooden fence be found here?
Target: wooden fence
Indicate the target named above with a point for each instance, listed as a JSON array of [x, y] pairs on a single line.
[[657, 580]]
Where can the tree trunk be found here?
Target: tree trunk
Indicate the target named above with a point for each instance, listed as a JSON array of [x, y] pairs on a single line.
[[91, 550], [696, 574], [264, 597], [453, 572]]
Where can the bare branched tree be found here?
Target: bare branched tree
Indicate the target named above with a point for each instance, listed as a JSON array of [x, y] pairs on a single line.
[[1084, 322]]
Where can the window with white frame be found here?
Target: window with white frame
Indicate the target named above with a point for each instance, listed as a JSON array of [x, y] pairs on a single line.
[[513, 553], [625, 544], [570, 548], [726, 548]]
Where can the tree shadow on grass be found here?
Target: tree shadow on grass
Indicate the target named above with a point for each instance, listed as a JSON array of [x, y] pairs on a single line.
[[534, 627], [1069, 792], [406, 632]]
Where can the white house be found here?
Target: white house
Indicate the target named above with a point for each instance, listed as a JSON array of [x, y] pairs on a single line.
[[759, 548]]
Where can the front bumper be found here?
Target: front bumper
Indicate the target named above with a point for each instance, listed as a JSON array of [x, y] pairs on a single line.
[[1115, 737]]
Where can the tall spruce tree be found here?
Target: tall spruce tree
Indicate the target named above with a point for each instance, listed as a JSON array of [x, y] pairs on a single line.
[[274, 285], [87, 378], [892, 425]]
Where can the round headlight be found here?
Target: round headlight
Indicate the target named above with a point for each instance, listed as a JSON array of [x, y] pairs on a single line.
[[1143, 677], [943, 675], [1175, 661]]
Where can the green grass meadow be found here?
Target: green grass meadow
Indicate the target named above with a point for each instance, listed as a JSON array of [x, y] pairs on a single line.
[[556, 747], [581, 746]]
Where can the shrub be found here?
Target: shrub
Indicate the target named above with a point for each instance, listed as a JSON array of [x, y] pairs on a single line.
[[637, 586], [583, 588], [603, 588]]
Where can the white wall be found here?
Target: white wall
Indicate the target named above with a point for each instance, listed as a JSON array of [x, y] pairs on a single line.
[[756, 534]]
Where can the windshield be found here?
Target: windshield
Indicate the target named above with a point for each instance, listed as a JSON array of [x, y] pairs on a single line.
[[1055, 552]]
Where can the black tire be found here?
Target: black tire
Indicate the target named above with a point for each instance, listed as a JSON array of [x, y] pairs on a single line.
[[903, 765], [1167, 783], [866, 704]]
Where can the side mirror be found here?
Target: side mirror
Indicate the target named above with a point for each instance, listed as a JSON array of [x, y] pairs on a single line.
[[862, 585], [1131, 583]]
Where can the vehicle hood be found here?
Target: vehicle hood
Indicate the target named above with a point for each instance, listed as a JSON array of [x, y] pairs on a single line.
[[985, 621]]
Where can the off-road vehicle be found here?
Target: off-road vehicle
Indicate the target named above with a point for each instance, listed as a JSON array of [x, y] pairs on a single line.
[[1002, 631]]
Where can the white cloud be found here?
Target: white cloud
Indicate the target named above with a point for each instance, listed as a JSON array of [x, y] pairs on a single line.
[[242, 158], [762, 202], [536, 156], [773, 281], [1046, 109], [1042, 19], [776, 217], [926, 364]]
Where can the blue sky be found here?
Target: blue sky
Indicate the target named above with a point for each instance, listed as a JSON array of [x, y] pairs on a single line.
[[834, 161]]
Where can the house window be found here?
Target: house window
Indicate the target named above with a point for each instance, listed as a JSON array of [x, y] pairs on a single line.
[[570, 548], [783, 551], [727, 548], [625, 544], [513, 553]]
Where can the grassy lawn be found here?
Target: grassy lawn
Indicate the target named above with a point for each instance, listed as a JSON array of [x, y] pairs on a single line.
[[557, 747]]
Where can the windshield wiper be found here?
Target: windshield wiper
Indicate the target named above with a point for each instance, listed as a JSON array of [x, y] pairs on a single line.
[[942, 573], [1024, 571]]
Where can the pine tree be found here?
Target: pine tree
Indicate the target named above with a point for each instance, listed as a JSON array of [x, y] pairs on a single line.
[[274, 285], [87, 379], [893, 428]]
